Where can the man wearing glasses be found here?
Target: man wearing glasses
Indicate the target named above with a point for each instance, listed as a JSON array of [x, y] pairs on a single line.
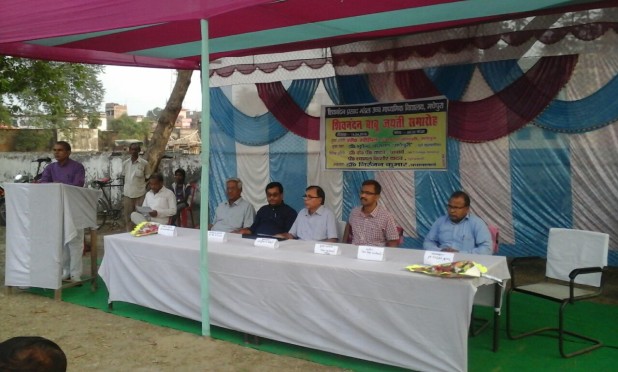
[[274, 218], [315, 222], [371, 224], [458, 230]]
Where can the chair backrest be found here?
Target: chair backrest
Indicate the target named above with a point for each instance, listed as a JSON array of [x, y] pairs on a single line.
[[494, 231], [341, 230], [569, 249], [193, 192]]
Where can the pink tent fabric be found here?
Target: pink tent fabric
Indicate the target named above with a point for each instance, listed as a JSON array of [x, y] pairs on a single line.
[[161, 33]]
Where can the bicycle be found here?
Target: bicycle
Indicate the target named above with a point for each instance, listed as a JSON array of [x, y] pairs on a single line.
[[105, 207]]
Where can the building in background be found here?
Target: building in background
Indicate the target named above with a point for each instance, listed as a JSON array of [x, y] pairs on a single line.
[[114, 110]]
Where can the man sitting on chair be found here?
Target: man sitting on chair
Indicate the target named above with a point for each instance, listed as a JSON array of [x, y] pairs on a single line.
[[458, 230], [160, 200], [315, 222]]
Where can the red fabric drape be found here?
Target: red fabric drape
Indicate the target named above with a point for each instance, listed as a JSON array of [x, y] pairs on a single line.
[[586, 32], [283, 107], [504, 112]]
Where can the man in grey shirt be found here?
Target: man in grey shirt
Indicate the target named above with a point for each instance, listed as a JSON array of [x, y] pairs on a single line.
[[234, 213]]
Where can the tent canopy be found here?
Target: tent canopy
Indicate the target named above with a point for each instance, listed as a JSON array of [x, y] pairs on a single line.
[[159, 33]]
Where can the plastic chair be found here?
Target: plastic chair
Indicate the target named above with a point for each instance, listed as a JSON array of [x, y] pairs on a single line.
[[495, 238], [576, 262], [187, 212]]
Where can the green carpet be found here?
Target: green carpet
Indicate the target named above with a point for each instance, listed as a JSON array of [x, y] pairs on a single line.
[[538, 352]]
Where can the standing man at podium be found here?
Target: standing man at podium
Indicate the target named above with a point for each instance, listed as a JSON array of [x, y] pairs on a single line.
[[69, 172]]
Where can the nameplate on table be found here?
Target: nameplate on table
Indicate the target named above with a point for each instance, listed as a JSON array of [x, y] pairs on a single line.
[[167, 230], [327, 249], [437, 258], [369, 253], [217, 236], [266, 243]]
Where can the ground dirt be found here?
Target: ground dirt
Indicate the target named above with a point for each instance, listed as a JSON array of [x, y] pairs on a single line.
[[97, 341]]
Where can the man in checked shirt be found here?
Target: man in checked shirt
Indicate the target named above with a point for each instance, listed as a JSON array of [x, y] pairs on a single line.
[[371, 223]]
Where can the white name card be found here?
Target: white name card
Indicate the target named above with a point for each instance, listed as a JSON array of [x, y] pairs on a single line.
[[167, 230], [327, 249], [366, 252], [217, 236], [266, 243], [437, 258]]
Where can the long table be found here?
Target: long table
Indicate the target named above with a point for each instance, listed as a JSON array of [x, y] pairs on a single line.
[[370, 310]]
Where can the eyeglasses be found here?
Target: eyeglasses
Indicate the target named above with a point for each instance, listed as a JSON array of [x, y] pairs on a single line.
[[309, 197], [362, 192], [448, 206]]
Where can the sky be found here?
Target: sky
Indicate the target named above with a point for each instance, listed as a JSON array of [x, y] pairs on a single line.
[[143, 89]]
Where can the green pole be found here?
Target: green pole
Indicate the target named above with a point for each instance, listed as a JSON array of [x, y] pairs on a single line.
[[205, 160]]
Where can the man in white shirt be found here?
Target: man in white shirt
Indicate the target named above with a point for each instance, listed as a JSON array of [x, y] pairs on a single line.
[[160, 200], [234, 213], [135, 171]]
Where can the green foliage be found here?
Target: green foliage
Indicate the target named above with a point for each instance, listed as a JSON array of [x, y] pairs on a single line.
[[34, 139], [128, 128], [154, 114], [49, 94]]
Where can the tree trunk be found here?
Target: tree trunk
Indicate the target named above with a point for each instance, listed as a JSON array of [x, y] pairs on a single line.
[[167, 119]]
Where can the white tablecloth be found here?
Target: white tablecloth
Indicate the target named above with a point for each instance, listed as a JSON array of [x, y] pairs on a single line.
[[370, 310], [40, 219]]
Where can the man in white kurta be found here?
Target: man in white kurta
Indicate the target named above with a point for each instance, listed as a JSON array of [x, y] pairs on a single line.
[[160, 200]]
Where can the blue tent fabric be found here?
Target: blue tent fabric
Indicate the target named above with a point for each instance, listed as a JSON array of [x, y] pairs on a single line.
[[451, 81]]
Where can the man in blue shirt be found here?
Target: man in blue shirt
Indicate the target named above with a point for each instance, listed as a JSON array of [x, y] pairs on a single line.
[[274, 218], [315, 222], [458, 230]]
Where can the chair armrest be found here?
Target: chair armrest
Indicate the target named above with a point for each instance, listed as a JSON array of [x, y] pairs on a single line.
[[585, 270], [519, 262]]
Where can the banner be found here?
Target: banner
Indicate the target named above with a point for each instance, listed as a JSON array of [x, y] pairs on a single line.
[[385, 136]]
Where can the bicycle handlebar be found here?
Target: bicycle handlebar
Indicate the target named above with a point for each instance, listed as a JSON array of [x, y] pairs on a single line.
[[103, 182]]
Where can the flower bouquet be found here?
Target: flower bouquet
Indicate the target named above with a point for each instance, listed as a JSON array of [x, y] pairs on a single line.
[[457, 269], [145, 228]]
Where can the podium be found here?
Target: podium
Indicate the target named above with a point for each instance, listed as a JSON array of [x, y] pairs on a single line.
[[41, 218]]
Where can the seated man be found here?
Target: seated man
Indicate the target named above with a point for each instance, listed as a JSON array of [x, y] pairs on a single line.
[[315, 222], [458, 230], [236, 212], [371, 223], [31, 353], [274, 218], [160, 200]]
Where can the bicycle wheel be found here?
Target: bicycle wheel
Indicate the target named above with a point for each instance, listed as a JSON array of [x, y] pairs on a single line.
[[102, 212]]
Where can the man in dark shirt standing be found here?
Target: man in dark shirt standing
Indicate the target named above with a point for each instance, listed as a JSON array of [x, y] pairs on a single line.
[[274, 218], [69, 172]]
